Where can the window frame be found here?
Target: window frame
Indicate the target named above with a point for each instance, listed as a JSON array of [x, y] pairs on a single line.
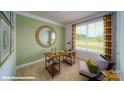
[[86, 23]]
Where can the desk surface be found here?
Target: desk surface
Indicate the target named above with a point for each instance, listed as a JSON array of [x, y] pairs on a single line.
[[53, 55], [57, 54]]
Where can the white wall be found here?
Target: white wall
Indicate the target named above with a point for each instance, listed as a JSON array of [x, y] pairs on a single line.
[[68, 35], [114, 37], [8, 68], [118, 43], [120, 19]]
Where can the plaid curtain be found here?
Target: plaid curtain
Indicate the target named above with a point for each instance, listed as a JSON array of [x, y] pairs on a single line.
[[108, 36], [74, 36]]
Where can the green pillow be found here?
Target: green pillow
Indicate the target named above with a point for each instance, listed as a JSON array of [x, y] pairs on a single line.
[[93, 68]]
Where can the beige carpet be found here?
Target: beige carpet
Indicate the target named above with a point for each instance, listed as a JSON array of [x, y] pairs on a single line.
[[67, 73]]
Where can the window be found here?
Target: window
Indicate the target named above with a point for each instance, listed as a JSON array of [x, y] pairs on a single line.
[[89, 36]]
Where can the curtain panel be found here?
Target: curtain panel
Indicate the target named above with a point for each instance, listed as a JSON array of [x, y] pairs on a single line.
[[108, 36], [74, 36]]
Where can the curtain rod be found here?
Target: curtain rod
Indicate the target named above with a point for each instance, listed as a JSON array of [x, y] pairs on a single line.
[[93, 19]]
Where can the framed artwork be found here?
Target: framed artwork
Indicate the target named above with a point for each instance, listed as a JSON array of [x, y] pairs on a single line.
[[7, 14], [4, 40], [13, 19], [13, 38], [13, 33]]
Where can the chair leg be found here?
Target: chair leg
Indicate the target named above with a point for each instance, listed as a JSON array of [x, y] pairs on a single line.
[[59, 67]]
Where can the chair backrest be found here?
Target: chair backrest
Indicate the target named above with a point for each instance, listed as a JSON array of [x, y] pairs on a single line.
[[101, 62], [110, 65]]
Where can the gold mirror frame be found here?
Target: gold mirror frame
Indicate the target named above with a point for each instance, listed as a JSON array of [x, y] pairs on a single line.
[[38, 39]]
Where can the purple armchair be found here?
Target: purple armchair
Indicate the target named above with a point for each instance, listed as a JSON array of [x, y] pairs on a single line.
[[99, 61]]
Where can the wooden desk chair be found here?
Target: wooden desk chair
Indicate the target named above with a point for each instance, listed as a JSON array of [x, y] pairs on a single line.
[[69, 57], [52, 63]]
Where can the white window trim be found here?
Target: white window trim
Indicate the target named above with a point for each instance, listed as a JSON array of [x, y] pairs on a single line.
[[91, 21], [81, 49], [86, 23]]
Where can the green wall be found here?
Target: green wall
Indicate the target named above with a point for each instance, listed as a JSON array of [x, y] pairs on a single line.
[[26, 46]]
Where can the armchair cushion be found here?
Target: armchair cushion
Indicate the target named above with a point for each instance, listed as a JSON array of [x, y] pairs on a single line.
[[84, 69], [101, 63], [93, 68]]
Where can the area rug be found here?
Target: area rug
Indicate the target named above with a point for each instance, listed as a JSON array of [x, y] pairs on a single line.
[[38, 71]]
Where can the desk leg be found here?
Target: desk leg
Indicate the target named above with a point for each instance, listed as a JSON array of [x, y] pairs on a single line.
[[45, 63], [59, 64], [63, 58], [74, 58], [52, 68]]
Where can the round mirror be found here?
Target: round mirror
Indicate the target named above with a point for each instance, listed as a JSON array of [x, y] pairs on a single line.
[[45, 36]]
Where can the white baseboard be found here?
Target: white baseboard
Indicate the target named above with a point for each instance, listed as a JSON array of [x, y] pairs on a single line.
[[30, 63]]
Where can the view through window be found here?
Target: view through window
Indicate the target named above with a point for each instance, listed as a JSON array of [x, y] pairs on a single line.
[[90, 36]]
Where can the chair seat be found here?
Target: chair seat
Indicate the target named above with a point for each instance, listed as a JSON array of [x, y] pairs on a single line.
[[56, 61]]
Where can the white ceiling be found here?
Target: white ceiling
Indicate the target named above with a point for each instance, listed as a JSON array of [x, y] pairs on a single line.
[[63, 17]]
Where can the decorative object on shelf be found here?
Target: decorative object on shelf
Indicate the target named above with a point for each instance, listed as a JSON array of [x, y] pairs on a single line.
[[46, 36], [4, 40], [69, 45], [54, 50]]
